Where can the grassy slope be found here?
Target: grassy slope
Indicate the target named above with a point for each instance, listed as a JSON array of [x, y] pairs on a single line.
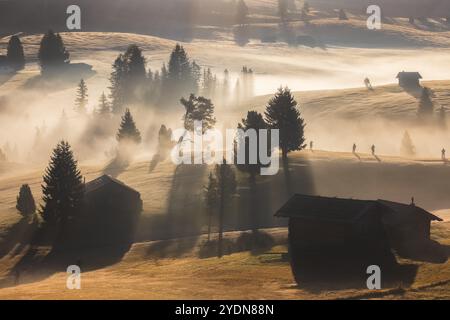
[[237, 276]]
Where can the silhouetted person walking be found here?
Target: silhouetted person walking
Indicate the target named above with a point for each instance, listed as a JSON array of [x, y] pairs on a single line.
[[373, 149], [354, 148], [444, 158]]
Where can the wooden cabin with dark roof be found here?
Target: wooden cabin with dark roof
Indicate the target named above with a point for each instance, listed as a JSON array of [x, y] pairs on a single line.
[[409, 80], [353, 234], [110, 213]]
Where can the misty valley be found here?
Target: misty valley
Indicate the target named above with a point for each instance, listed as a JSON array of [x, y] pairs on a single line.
[[224, 150]]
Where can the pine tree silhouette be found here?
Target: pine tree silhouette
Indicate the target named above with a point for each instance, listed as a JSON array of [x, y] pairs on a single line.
[[104, 108], [25, 201], [52, 53], [282, 113], [15, 54], [117, 86], [128, 131], [63, 187], [81, 100]]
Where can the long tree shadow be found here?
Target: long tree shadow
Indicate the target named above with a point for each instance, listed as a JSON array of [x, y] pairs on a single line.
[[116, 166], [18, 237], [185, 214], [61, 78]]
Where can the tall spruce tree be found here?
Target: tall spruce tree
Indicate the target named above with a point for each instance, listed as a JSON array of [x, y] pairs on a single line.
[[117, 87], [25, 201], [52, 52], [182, 75], [81, 100], [128, 131], [63, 187], [15, 54], [226, 186], [282, 113]]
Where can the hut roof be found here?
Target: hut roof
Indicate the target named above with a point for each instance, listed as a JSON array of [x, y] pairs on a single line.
[[410, 75], [345, 210], [104, 181]]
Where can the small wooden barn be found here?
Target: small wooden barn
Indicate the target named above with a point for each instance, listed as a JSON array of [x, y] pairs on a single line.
[[111, 210], [409, 79], [351, 234]]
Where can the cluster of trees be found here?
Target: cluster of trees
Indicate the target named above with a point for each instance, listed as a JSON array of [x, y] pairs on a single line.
[[63, 190], [131, 83], [52, 53], [281, 113]]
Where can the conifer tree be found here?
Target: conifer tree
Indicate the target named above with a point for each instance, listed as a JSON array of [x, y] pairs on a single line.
[[128, 131], [52, 52], [282, 113], [25, 201], [15, 54], [63, 187], [104, 108], [81, 100], [117, 86]]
